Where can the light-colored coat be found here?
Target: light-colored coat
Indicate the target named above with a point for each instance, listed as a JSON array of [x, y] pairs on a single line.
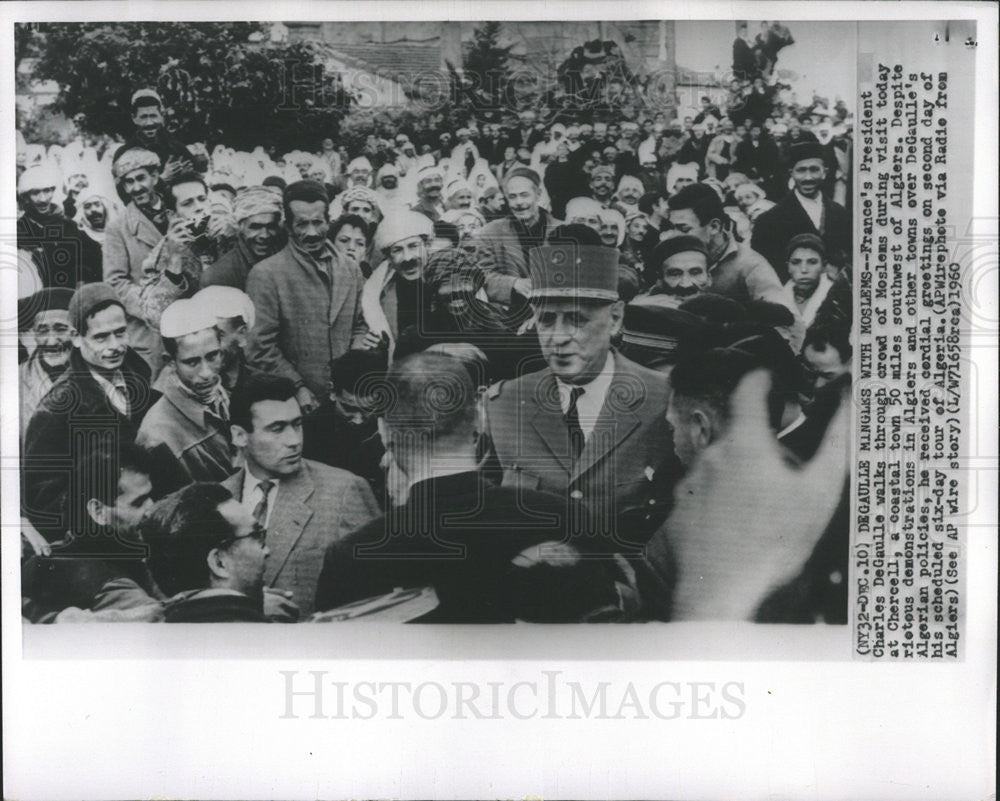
[[128, 242], [315, 507], [178, 423], [305, 317], [501, 256]]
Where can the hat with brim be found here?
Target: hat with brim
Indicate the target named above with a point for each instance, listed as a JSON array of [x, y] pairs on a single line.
[[571, 271], [654, 330]]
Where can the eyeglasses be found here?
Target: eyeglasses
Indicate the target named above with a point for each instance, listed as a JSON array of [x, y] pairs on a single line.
[[258, 533]]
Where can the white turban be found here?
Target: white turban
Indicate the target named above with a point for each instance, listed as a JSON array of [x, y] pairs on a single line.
[[456, 186], [676, 171], [614, 217], [257, 200], [133, 159], [400, 226], [630, 181], [226, 302], [582, 207], [360, 163], [41, 176]]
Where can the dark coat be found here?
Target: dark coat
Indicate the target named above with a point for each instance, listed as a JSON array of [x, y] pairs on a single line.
[[70, 416], [328, 438], [62, 253], [88, 573], [744, 64], [212, 606], [231, 269], [466, 533], [775, 227]]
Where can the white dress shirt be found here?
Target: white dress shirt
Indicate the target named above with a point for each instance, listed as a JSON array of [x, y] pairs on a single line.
[[590, 403], [252, 494], [813, 207], [116, 390]]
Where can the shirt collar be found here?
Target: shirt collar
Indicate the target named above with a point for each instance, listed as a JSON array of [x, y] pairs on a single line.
[[816, 202], [598, 386], [323, 262], [731, 248], [250, 482]]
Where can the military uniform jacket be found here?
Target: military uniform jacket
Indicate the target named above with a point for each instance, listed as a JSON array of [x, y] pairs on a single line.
[[626, 471]]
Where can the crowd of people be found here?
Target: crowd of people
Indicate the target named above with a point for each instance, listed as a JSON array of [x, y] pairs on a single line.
[[516, 366]]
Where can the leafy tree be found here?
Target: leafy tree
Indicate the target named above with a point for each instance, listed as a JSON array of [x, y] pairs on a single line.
[[220, 82], [487, 71]]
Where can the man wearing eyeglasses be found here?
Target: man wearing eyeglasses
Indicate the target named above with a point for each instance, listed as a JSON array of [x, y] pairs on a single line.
[[208, 555]]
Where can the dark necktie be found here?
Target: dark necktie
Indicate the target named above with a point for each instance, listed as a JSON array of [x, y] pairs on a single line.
[[260, 511], [572, 418]]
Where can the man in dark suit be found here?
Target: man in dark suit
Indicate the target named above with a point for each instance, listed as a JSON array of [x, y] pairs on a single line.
[[305, 506], [804, 211], [103, 396], [491, 553], [591, 425], [744, 64]]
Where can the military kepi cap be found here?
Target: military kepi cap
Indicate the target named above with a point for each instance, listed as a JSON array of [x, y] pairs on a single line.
[[573, 271]]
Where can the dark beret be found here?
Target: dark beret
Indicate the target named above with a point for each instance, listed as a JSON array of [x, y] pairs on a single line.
[[810, 241], [675, 244], [48, 299]]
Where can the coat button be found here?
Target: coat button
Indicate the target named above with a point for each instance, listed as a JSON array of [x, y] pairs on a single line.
[[576, 495]]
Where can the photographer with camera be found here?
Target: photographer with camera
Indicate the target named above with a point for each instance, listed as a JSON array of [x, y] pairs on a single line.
[[175, 265]]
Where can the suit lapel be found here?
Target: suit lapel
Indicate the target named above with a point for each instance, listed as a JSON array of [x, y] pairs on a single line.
[[288, 520], [803, 215], [616, 421], [235, 484], [548, 421], [142, 228], [339, 286]]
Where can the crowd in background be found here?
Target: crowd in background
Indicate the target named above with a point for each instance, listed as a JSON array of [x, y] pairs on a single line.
[[242, 372]]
